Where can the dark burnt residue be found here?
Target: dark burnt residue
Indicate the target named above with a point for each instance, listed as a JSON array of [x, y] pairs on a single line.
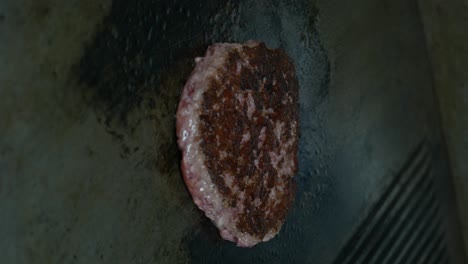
[[230, 122], [138, 44], [133, 70]]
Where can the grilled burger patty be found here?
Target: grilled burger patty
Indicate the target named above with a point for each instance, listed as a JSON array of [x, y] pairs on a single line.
[[237, 128]]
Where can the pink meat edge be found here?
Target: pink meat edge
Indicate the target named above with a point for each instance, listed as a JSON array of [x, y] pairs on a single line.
[[192, 179]]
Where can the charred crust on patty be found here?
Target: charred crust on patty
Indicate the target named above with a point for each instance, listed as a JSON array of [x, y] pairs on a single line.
[[225, 126], [238, 127]]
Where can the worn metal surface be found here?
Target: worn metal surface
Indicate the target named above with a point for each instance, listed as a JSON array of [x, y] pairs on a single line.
[[445, 24], [88, 160]]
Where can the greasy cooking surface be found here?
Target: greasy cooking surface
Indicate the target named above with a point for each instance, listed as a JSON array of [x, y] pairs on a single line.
[[87, 131], [249, 123]]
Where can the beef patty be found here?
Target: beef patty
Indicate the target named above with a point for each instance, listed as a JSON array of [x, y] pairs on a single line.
[[237, 128]]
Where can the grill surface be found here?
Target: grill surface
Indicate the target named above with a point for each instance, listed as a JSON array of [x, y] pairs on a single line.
[[404, 225], [89, 165]]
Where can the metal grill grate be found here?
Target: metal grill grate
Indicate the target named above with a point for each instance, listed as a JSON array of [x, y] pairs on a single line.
[[404, 226]]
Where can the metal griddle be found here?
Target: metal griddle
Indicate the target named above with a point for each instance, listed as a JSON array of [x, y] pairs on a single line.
[[100, 179]]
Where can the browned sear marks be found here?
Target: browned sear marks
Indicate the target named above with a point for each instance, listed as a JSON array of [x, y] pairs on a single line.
[[241, 112]]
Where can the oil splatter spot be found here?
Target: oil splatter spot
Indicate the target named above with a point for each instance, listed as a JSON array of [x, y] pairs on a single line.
[[137, 46]]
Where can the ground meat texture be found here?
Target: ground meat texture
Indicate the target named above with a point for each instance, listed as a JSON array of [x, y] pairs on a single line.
[[237, 125]]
